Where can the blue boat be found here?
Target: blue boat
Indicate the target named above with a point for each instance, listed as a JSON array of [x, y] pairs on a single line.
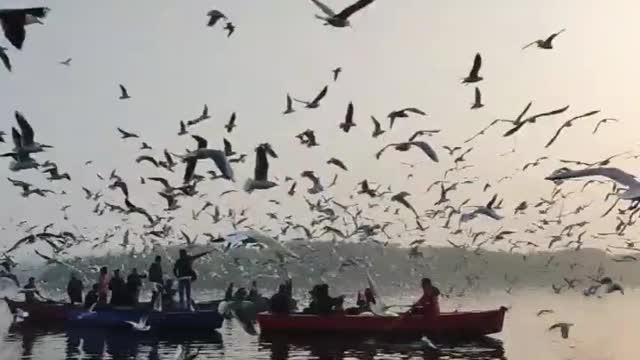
[[202, 320]]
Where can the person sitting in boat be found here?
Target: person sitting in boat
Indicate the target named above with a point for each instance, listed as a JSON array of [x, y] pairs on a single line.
[[156, 277], [92, 297], [254, 295], [228, 294], [30, 291], [118, 289], [168, 295], [428, 304], [103, 286], [134, 283], [183, 270], [74, 289], [240, 295], [322, 303], [280, 302]]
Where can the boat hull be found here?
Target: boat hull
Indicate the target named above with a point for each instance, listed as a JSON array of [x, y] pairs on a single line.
[[158, 321], [454, 324]]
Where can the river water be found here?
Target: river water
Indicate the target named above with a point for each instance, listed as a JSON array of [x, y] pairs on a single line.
[[605, 327]]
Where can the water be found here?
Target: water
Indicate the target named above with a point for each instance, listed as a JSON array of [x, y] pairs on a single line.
[[605, 328]]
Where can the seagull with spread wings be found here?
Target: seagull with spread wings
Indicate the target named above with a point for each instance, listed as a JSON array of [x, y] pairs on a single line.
[[405, 146], [547, 43], [340, 19]]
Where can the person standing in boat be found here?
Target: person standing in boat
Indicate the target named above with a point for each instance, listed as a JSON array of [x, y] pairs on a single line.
[[428, 304], [103, 286], [118, 289], [254, 295], [280, 302], [228, 294], [92, 297], [156, 277], [74, 290], [134, 283], [183, 270], [30, 291]]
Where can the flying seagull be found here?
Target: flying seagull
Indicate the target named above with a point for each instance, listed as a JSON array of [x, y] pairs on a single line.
[[487, 210], [260, 179], [230, 28], [517, 125], [405, 146], [633, 186], [377, 129], [202, 152], [316, 101], [547, 43], [348, 119], [24, 141], [402, 113], [336, 72], [124, 94], [5, 58], [564, 328], [338, 163], [474, 76], [13, 22], [66, 62], [127, 135], [342, 18], [477, 102], [232, 123], [289, 108], [401, 198], [603, 121], [569, 123], [214, 16]]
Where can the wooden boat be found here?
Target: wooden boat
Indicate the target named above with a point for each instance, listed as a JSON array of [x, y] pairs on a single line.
[[452, 324], [45, 312], [201, 320]]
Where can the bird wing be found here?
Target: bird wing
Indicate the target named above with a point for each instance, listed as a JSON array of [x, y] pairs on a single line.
[[261, 171], [202, 142], [321, 95], [348, 119], [529, 44], [376, 124], [379, 153], [414, 110], [214, 16], [325, 9], [427, 149], [148, 158], [478, 96], [5, 59], [477, 63], [123, 90], [162, 181], [492, 201], [553, 36], [222, 163], [228, 149], [168, 157], [351, 9], [25, 128], [608, 172], [514, 129], [521, 115], [549, 113], [17, 138], [555, 136]]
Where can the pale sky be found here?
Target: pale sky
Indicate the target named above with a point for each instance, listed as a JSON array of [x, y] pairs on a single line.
[[398, 54]]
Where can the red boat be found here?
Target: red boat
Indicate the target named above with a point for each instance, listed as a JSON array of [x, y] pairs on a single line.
[[453, 324]]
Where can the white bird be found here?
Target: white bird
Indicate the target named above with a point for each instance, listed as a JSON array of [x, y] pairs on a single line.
[[21, 161], [486, 210], [140, 325], [218, 157], [250, 236], [342, 18], [24, 140], [184, 354], [633, 186]]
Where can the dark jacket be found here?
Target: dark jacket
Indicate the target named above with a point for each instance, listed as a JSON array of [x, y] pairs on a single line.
[[118, 291], [280, 303], [184, 266], [74, 290], [90, 299], [155, 273]]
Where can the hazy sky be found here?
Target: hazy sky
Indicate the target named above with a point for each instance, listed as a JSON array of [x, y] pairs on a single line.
[[398, 54]]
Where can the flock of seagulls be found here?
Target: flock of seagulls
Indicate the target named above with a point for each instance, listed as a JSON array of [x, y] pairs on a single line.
[[331, 219]]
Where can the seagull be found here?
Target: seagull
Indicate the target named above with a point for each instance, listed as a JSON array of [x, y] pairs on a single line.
[[423, 132], [317, 186], [66, 62], [183, 129], [145, 146], [336, 72], [517, 125], [486, 210], [477, 102], [202, 117], [24, 141], [405, 146], [54, 175], [401, 198], [13, 22], [232, 123], [377, 129], [21, 161], [564, 328], [214, 16], [569, 123], [348, 120], [202, 152], [5, 58], [338, 163], [124, 94], [260, 179], [289, 108], [474, 76], [452, 150], [603, 121], [230, 28], [126, 134], [2, 134], [315, 103], [544, 312], [633, 186], [172, 202], [341, 19], [545, 44], [402, 113], [185, 354]]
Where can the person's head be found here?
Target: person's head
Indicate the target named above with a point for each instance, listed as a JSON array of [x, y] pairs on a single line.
[[282, 288], [426, 283], [73, 276], [158, 258], [254, 284], [104, 270], [183, 253], [32, 280], [116, 273]]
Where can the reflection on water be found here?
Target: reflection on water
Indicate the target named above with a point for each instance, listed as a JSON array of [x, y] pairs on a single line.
[[525, 336]]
